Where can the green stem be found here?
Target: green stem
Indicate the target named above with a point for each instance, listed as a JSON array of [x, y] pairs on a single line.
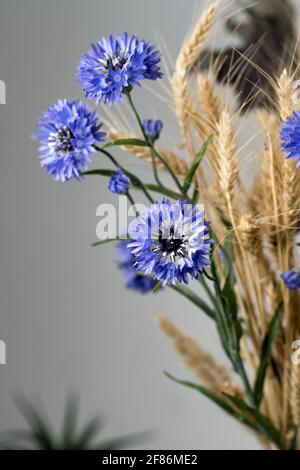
[[234, 356], [131, 200], [156, 154], [240, 368], [162, 190], [209, 292], [192, 297], [134, 179], [154, 167], [148, 186], [195, 194]]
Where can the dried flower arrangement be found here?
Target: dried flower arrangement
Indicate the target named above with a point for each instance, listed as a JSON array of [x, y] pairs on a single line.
[[246, 257]]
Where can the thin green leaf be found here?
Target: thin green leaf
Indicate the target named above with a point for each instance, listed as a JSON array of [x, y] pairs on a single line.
[[189, 294], [217, 400], [99, 172], [230, 298], [195, 163], [127, 142], [103, 242], [265, 354], [163, 190], [227, 257], [234, 326], [265, 425]]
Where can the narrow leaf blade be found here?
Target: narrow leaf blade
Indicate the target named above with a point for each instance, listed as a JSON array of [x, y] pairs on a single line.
[[265, 354], [103, 242], [99, 172], [196, 162], [217, 400], [265, 425], [126, 142]]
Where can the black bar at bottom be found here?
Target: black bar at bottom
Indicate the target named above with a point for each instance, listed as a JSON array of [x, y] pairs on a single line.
[[137, 458]]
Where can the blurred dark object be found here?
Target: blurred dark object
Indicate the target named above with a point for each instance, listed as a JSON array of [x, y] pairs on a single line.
[[268, 44], [40, 435]]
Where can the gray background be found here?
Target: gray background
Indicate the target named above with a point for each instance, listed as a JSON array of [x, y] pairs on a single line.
[[67, 320]]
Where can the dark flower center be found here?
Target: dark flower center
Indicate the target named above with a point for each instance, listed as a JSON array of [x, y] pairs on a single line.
[[116, 62], [170, 246], [62, 140]]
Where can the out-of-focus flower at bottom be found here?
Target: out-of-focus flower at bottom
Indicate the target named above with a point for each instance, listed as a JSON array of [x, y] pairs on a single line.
[[134, 280]]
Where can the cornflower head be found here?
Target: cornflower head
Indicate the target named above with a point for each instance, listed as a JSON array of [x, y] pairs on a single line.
[[170, 241], [67, 131], [114, 65]]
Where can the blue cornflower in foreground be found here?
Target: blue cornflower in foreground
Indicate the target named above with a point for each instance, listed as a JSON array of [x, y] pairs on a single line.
[[170, 242], [119, 183], [152, 128], [67, 131], [290, 137], [134, 280], [116, 64], [291, 279]]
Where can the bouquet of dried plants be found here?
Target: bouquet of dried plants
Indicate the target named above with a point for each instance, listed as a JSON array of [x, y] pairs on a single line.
[[246, 262]]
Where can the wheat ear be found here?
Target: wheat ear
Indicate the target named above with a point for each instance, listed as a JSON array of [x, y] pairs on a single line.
[[202, 364], [186, 58]]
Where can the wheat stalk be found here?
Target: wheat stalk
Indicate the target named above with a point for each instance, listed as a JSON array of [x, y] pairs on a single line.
[[186, 58], [227, 174]]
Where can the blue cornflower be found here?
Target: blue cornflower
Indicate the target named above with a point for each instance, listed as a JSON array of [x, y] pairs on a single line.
[[114, 65], [290, 137], [119, 183], [67, 131], [152, 128], [170, 242], [134, 280], [291, 279]]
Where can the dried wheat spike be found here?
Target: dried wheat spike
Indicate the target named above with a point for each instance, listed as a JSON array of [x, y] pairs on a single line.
[[202, 364], [189, 52], [227, 160], [286, 88], [191, 48], [210, 102], [249, 233]]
